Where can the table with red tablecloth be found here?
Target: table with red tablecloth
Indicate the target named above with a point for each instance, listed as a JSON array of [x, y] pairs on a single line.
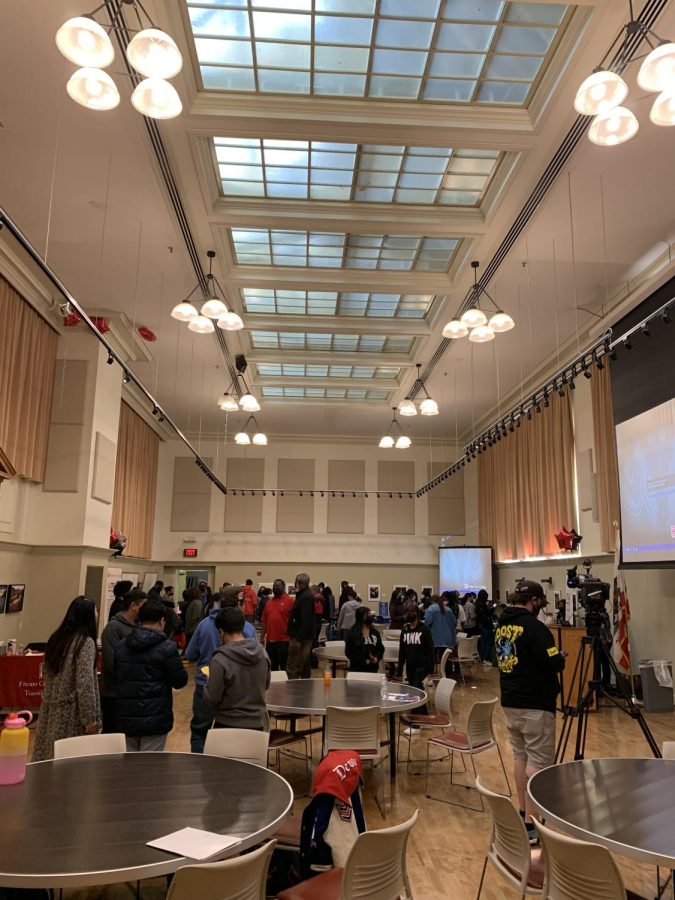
[[21, 681]]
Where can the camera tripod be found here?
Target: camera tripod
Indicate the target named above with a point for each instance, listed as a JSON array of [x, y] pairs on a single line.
[[594, 649]]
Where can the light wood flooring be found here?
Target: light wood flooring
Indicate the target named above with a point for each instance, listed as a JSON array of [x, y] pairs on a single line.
[[447, 847]]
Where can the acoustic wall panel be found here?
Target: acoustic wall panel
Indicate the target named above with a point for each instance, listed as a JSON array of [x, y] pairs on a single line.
[[445, 503], [191, 505], [395, 515], [295, 513], [346, 513], [243, 512], [64, 452], [103, 481]]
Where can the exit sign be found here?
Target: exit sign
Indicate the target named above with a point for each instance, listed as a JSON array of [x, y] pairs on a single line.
[[190, 552]]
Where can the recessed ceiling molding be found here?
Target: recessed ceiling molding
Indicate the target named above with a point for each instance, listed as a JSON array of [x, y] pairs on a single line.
[[339, 325], [312, 356]]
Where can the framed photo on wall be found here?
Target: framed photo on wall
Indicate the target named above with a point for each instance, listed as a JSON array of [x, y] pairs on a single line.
[[374, 592], [15, 600], [4, 593], [401, 587], [427, 590]]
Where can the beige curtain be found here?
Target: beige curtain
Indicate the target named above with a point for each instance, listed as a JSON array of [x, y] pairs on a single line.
[[606, 469], [135, 483], [526, 485], [27, 361]]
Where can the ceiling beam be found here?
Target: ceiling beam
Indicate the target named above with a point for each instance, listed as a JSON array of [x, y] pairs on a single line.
[[356, 280], [330, 358], [338, 324], [370, 384]]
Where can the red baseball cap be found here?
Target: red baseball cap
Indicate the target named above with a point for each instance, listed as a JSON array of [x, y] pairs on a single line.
[[339, 774]]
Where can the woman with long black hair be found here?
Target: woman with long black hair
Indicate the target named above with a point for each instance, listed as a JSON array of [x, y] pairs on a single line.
[[70, 702]]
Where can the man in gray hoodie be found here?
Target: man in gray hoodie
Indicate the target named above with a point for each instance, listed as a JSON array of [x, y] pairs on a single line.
[[239, 675], [117, 629]]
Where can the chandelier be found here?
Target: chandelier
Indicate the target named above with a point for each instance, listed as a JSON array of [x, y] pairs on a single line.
[[151, 52], [402, 442], [474, 322], [259, 438], [213, 307], [428, 407], [246, 401]]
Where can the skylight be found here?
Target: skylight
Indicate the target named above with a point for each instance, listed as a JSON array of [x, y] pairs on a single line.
[[319, 249], [459, 51], [310, 393], [267, 301], [373, 173], [340, 343], [300, 370]]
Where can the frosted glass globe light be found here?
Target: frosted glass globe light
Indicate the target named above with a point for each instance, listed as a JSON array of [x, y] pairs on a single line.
[[403, 442], [429, 407], [86, 43], [407, 408], [249, 403], [482, 334], [154, 54], [474, 317], [201, 325], [260, 439], [93, 88], [228, 403], [657, 72], [501, 322], [663, 110], [231, 322], [184, 312], [242, 438], [214, 308], [613, 127], [386, 442], [600, 92], [455, 329], [156, 99]]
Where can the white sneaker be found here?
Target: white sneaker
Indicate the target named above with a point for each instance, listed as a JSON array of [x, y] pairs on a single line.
[[410, 731]]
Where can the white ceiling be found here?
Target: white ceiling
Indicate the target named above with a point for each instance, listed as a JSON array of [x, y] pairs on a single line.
[[85, 188]]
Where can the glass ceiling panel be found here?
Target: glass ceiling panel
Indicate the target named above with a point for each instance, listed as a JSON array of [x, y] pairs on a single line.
[[374, 173], [310, 393], [432, 50], [315, 249], [267, 301], [293, 370], [340, 343]]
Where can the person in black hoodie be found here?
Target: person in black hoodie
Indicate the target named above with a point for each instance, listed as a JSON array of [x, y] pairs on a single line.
[[363, 645], [416, 650], [301, 630], [147, 668], [529, 663]]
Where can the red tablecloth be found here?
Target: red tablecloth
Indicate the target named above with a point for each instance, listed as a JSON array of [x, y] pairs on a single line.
[[21, 681]]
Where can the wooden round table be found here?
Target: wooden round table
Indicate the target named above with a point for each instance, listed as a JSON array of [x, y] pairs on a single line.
[[86, 821], [624, 804], [311, 696]]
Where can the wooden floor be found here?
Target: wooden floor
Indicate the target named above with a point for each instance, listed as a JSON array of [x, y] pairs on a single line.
[[447, 847]]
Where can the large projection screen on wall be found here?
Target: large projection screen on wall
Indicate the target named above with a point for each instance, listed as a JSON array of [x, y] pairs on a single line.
[[465, 569]]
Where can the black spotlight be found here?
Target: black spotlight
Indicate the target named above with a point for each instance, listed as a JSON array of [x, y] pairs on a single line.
[[612, 354], [110, 359], [645, 329], [161, 418], [628, 344], [155, 410], [546, 399], [584, 369], [561, 390], [126, 378], [598, 362], [665, 316], [529, 414]]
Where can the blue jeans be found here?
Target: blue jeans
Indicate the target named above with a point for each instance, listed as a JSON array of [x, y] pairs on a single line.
[[416, 679], [202, 720], [485, 643]]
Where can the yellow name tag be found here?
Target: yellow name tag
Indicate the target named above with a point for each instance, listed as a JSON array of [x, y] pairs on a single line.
[[552, 651]]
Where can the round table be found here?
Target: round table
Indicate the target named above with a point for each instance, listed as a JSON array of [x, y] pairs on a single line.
[[624, 804], [334, 655], [311, 696], [86, 821]]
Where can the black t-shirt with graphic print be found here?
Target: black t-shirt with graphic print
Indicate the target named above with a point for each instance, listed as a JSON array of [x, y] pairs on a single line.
[[528, 661]]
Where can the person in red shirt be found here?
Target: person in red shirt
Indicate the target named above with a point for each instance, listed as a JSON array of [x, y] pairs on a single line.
[[275, 624], [250, 601]]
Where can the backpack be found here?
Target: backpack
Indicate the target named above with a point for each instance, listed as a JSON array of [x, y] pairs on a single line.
[[328, 832]]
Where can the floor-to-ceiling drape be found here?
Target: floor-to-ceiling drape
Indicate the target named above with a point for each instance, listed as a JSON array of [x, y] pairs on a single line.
[[606, 470], [135, 482]]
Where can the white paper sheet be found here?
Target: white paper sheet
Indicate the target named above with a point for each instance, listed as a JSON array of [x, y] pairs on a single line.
[[194, 843]]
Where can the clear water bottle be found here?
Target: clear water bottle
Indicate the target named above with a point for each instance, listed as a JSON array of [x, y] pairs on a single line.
[[384, 688]]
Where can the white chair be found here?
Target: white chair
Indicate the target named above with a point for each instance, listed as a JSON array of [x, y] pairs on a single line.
[[478, 737], [340, 647], [238, 743], [375, 869], [467, 654], [278, 676], [355, 728], [441, 718], [365, 676], [509, 849], [578, 869], [392, 636], [241, 878], [89, 745]]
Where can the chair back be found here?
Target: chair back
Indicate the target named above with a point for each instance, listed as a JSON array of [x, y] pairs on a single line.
[[335, 645], [89, 745], [391, 649], [353, 728], [464, 649], [444, 661], [241, 878], [443, 696], [575, 869], [479, 723], [509, 847], [668, 750], [238, 743], [392, 635], [278, 676], [365, 676], [376, 866]]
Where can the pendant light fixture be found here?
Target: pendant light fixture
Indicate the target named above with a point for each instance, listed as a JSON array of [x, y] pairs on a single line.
[[604, 91], [247, 401], [474, 321], [428, 407], [259, 437], [407, 407], [402, 442], [228, 403], [213, 307], [151, 52]]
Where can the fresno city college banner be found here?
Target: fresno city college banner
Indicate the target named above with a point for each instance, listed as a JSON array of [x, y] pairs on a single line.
[[21, 681]]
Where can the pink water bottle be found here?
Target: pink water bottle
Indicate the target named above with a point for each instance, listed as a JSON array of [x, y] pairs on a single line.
[[14, 747]]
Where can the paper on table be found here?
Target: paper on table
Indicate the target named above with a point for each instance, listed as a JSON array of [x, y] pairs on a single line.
[[194, 843]]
